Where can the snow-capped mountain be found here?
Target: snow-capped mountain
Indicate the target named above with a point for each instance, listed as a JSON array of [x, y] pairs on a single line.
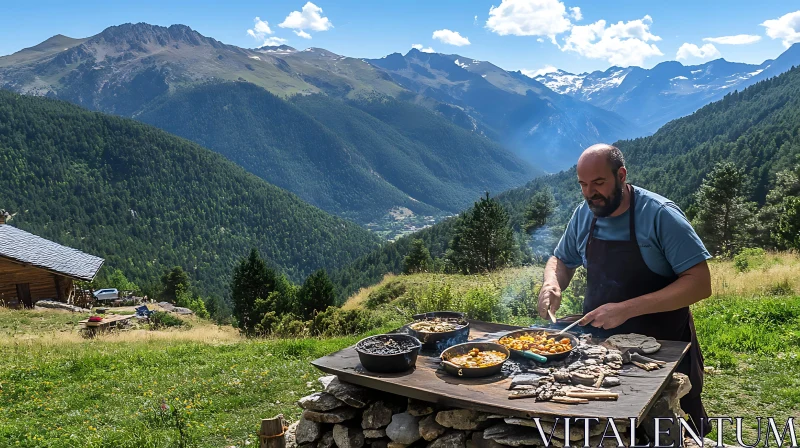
[[652, 97]]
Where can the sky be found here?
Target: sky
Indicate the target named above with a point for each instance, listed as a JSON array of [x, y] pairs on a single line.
[[529, 35]]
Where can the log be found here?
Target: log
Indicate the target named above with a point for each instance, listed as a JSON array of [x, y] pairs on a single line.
[[271, 433], [569, 400], [593, 395]]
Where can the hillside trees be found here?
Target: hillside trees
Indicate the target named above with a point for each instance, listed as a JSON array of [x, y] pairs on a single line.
[[542, 205], [724, 217], [418, 259], [316, 294], [483, 239]]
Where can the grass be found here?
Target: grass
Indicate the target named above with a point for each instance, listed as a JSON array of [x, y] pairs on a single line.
[[206, 386]]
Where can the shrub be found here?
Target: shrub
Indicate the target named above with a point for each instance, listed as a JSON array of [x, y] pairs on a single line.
[[385, 294], [483, 304], [782, 288], [338, 322], [750, 258], [289, 326], [480, 303], [163, 319]]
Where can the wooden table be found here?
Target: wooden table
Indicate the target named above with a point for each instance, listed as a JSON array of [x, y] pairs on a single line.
[[107, 323], [637, 391]]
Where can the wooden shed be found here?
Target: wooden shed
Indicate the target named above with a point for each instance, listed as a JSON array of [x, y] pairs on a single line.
[[34, 268]]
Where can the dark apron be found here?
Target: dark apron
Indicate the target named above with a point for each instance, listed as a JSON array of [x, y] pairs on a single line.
[[616, 272]]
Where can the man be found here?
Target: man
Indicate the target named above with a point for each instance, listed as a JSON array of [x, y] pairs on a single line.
[[645, 264]]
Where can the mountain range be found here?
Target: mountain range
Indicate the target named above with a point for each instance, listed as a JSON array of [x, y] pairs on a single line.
[[652, 97], [241, 103], [757, 128], [146, 200]]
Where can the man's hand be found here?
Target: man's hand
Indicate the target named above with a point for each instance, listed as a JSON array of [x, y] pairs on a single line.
[[608, 316], [549, 298]]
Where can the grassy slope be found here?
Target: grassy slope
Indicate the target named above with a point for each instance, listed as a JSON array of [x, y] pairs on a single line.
[[59, 390]]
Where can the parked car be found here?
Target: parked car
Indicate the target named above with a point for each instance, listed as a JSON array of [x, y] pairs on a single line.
[[106, 294]]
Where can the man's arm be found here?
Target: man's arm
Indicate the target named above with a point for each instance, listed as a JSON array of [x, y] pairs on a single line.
[[556, 278], [692, 286]]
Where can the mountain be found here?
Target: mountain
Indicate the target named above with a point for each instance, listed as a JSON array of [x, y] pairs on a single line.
[[239, 103], [146, 200], [333, 154], [652, 97], [757, 128], [547, 129]]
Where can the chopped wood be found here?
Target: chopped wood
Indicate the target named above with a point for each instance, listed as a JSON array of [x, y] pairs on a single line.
[[569, 400], [593, 395]]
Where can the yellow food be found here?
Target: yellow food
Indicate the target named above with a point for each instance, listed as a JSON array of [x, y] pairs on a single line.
[[537, 343], [477, 358]]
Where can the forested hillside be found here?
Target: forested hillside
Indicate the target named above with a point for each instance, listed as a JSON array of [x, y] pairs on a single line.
[[146, 200], [757, 129], [338, 157]]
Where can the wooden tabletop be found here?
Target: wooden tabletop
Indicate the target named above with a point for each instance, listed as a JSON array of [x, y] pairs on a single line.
[[107, 320], [637, 391]]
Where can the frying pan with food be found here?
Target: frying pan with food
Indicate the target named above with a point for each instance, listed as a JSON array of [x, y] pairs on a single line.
[[549, 333], [472, 372], [442, 339]]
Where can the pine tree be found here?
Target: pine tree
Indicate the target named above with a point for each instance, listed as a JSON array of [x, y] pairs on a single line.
[[724, 218], [316, 294], [483, 239], [542, 205], [172, 282], [418, 258], [251, 285]]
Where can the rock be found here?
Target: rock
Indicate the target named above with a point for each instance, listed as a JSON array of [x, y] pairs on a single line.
[[289, 435], [461, 419], [403, 429], [307, 431], [575, 430], [396, 445], [611, 381], [638, 342], [52, 304], [377, 415], [479, 442], [353, 395], [320, 402], [306, 445], [379, 444], [347, 437], [596, 441], [419, 408], [374, 433], [677, 387], [526, 379], [661, 408], [326, 441], [429, 429], [337, 415], [513, 435], [453, 439], [326, 380]]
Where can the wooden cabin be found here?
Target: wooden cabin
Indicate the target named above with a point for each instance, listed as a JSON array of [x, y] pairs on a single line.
[[34, 268]]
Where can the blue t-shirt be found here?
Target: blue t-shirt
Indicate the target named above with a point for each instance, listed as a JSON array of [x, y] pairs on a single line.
[[668, 243]]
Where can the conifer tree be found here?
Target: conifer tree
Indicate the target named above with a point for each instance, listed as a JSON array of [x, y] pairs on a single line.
[[483, 239]]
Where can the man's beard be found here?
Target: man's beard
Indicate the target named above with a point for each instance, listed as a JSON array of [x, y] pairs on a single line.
[[605, 206]]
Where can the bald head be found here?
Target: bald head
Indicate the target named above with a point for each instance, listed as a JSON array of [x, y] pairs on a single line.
[[602, 153], [602, 174]]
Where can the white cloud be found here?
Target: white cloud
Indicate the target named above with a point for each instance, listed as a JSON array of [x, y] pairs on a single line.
[[786, 28], [529, 18], [450, 37], [260, 30], [687, 51], [575, 12], [739, 39], [422, 49], [475, 20], [274, 42], [310, 18], [621, 43], [539, 39], [417, 46], [302, 34], [542, 71]]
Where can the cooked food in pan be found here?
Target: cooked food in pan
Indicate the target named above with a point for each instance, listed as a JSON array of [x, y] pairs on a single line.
[[436, 325], [537, 343], [478, 358]]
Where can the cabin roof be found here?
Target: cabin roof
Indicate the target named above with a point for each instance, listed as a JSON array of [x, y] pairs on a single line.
[[27, 248]]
